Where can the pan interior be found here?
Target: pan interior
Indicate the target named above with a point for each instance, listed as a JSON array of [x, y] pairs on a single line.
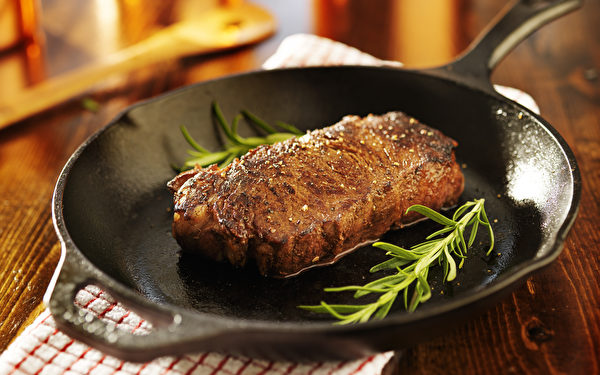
[[117, 209]]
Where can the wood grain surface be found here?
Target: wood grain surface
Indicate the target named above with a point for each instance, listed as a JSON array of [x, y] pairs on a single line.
[[549, 325]]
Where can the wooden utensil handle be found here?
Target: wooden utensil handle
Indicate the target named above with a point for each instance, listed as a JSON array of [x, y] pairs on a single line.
[[57, 90]]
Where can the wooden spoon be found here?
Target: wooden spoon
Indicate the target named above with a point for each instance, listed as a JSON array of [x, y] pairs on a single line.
[[217, 29]]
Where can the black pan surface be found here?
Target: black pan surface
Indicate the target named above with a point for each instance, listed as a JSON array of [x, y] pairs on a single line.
[[112, 212]]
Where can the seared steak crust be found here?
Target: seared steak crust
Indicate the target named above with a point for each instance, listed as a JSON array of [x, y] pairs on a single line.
[[306, 200]]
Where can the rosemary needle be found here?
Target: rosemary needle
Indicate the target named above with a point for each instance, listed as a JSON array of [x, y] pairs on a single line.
[[235, 145], [413, 265]]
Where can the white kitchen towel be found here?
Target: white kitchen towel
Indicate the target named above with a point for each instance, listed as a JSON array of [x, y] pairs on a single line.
[[311, 50], [43, 349]]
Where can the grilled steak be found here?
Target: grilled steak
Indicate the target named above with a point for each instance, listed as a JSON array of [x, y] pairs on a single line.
[[307, 200]]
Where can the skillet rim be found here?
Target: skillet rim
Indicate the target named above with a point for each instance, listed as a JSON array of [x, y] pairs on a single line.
[[509, 279]]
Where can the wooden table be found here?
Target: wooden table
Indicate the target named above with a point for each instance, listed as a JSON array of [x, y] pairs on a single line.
[[551, 324]]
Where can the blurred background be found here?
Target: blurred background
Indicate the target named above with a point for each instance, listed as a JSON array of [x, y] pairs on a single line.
[[40, 39]]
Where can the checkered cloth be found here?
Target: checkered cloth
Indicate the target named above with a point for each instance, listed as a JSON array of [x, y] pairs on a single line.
[[43, 349]]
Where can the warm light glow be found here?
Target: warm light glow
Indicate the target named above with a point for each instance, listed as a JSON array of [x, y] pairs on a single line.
[[231, 3], [417, 32], [107, 11], [33, 51], [426, 31], [108, 24], [132, 3], [232, 29], [28, 18], [9, 28], [340, 3]]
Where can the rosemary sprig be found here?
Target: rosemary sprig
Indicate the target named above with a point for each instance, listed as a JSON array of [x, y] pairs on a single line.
[[413, 265], [236, 145]]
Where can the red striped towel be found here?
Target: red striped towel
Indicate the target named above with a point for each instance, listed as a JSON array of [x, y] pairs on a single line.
[[43, 349]]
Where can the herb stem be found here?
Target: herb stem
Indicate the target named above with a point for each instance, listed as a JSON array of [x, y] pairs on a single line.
[[417, 261], [236, 145]]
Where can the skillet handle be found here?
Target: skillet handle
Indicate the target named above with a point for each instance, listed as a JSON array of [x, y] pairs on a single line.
[[517, 21], [173, 331]]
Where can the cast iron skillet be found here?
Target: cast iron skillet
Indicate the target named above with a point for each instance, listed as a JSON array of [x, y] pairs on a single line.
[[111, 209]]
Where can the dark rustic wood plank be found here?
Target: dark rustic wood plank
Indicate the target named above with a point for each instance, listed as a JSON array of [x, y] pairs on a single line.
[[33, 153], [551, 324]]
